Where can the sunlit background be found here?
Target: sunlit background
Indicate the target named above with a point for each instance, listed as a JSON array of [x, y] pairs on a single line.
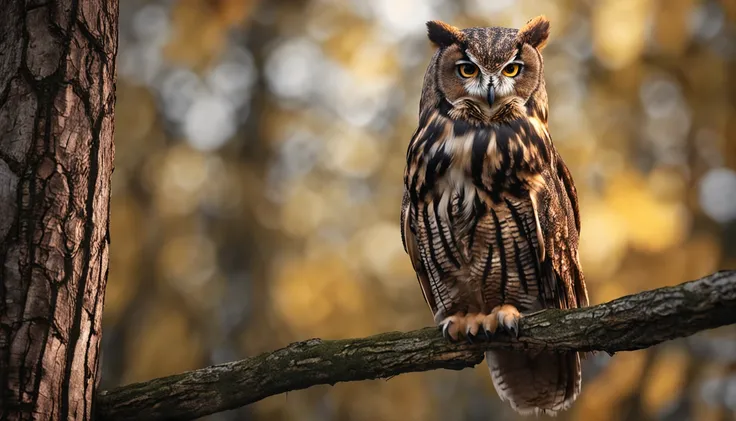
[[258, 179]]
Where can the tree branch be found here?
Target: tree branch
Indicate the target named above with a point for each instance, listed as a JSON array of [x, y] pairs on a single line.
[[625, 324]]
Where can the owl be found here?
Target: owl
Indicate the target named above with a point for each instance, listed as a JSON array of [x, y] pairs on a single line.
[[490, 216]]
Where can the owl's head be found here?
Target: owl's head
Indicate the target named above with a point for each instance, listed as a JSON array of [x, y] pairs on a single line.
[[476, 70]]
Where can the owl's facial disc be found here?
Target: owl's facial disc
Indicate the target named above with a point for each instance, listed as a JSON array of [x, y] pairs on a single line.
[[481, 84]]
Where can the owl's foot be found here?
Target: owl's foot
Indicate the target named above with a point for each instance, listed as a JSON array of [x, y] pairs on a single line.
[[472, 325], [469, 325], [507, 317]]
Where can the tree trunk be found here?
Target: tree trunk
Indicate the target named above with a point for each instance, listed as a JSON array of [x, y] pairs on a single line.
[[57, 92]]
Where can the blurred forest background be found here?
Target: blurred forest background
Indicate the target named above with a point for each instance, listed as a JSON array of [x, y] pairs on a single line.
[[260, 153]]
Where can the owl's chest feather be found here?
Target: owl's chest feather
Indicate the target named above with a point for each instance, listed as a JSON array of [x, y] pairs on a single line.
[[463, 171], [480, 164]]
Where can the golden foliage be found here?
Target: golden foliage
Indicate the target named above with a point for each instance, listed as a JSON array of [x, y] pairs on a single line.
[[665, 381], [607, 391], [124, 281], [163, 346], [650, 224], [619, 30], [318, 296]]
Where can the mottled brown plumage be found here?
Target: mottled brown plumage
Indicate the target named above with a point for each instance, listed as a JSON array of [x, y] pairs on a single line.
[[490, 216]]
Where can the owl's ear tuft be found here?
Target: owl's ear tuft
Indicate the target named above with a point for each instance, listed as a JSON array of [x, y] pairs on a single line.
[[535, 32], [442, 34]]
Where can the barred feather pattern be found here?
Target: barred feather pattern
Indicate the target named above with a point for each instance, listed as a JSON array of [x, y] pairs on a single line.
[[490, 217]]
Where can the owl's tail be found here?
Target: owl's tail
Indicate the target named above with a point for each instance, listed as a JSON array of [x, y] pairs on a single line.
[[543, 383]]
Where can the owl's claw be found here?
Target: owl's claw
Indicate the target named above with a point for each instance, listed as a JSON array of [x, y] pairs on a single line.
[[506, 316], [513, 331], [470, 335], [452, 327], [445, 327], [483, 335]]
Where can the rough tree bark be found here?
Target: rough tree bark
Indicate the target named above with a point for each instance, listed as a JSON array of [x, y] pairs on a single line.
[[57, 92]]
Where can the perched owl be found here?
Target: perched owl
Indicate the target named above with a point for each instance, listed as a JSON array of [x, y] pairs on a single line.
[[490, 214]]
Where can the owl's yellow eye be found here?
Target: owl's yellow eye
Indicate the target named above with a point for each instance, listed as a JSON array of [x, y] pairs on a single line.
[[467, 70], [511, 70]]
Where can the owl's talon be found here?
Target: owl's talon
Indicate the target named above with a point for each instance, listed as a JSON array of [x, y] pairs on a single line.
[[481, 336], [446, 330], [472, 337], [507, 316], [468, 335], [453, 327]]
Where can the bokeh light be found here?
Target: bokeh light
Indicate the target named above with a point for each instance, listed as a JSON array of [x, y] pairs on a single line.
[[260, 150]]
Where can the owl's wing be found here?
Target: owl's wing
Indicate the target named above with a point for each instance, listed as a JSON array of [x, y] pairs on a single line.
[[581, 291], [556, 208], [564, 174], [412, 249]]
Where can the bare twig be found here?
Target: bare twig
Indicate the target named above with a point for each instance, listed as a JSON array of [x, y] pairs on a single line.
[[625, 324]]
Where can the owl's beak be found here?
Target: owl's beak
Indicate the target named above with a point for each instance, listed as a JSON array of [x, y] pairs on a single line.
[[491, 94]]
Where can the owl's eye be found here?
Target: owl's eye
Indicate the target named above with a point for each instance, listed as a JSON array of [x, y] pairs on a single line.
[[511, 70], [467, 70]]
